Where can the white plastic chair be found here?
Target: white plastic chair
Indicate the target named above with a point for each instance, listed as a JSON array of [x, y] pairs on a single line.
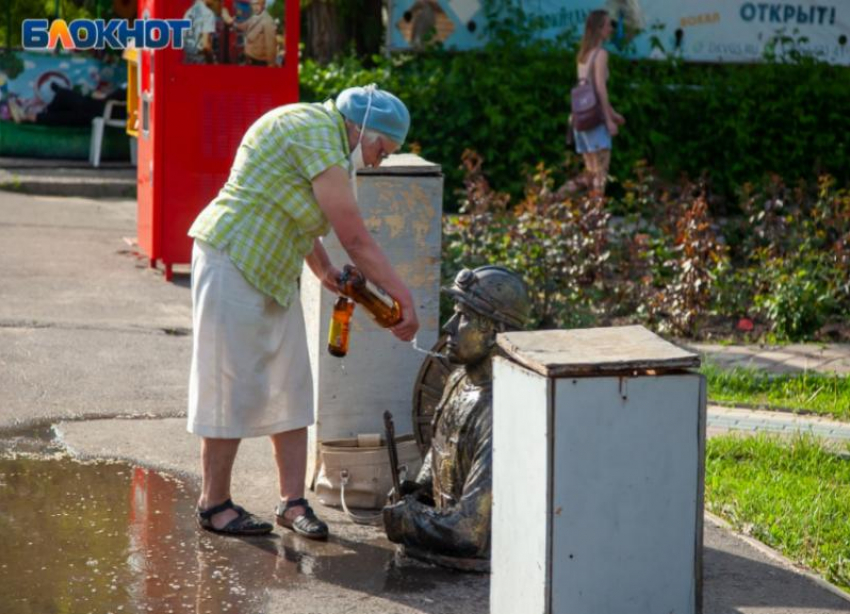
[[98, 125]]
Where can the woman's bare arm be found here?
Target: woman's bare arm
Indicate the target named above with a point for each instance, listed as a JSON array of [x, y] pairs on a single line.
[[321, 265], [336, 199], [600, 77]]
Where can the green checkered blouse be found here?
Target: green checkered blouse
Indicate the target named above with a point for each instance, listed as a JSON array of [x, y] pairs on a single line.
[[266, 214]]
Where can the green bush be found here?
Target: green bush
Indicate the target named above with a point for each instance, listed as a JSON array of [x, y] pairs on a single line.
[[669, 264], [726, 124], [558, 245], [791, 266], [701, 233]]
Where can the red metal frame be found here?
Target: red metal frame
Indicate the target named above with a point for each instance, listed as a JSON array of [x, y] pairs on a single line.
[[197, 116]]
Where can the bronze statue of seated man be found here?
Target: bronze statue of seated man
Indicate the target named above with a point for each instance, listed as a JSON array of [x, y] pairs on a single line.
[[445, 515]]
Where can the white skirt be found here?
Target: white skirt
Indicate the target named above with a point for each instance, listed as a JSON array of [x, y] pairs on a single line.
[[250, 366]]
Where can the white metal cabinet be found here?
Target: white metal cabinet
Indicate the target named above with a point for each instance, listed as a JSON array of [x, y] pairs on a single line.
[[598, 474]]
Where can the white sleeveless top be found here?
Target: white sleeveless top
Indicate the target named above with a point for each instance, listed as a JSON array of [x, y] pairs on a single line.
[[583, 66]]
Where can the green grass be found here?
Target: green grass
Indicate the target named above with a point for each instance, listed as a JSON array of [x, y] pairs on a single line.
[[819, 393], [793, 495]]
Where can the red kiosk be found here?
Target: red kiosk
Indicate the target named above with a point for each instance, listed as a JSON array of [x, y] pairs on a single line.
[[195, 104]]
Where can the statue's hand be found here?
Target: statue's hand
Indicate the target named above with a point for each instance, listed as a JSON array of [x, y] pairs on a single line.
[[407, 487], [410, 506]]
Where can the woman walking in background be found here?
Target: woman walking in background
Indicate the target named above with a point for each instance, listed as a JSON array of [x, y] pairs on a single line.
[[595, 144]]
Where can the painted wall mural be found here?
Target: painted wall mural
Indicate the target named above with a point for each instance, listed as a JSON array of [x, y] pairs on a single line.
[[29, 80], [696, 30]]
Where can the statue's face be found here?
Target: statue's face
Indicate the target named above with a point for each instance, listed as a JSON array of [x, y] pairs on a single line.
[[471, 336]]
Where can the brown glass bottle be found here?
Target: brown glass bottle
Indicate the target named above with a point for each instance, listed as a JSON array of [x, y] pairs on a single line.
[[340, 327], [383, 308]]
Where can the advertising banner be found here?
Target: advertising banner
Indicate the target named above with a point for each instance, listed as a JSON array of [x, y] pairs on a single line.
[[696, 30]]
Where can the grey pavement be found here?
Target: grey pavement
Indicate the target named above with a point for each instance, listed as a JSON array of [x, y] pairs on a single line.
[[96, 343]]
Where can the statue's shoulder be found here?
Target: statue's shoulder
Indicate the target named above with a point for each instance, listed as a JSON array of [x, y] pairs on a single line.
[[454, 379]]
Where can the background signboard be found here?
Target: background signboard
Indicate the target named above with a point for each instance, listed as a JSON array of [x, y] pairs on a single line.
[[30, 76], [696, 30]]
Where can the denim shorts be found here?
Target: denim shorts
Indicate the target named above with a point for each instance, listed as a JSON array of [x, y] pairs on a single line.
[[590, 141]]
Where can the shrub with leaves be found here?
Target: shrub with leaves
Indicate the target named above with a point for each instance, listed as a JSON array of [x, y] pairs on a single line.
[[665, 260], [794, 256], [558, 245], [682, 290]]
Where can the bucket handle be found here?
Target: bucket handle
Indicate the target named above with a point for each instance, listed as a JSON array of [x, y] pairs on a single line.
[[365, 518], [368, 517]]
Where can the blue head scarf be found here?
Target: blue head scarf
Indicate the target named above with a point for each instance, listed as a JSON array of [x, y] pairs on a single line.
[[381, 111]]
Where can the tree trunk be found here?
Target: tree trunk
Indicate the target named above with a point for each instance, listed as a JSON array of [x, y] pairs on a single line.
[[368, 27], [332, 26], [324, 37]]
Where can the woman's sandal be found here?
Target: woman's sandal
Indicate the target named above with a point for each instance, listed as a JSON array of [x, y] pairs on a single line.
[[244, 524], [307, 524]]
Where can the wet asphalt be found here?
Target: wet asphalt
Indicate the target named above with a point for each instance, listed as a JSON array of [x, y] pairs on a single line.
[[94, 355]]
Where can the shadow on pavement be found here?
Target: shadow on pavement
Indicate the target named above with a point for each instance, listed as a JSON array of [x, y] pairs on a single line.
[[362, 567], [733, 582]]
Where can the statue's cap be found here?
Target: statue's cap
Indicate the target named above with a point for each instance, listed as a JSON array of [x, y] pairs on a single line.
[[495, 292]]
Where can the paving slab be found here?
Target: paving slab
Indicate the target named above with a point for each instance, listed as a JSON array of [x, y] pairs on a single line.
[[65, 372], [743, 576], [819, 351], [47, 164], [837, 365], [797, 358], [86, 328]]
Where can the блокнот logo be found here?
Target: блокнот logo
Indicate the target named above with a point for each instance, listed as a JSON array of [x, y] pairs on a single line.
[[100, 34]]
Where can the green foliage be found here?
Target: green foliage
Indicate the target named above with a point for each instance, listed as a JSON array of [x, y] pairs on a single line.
[[460, 101], [792, 495], [666, 262], [819, 393], [792, 264], [799, 299], [723, 124], [680, 289], [10, 64], [506, 101], [559, 245], [13, 14], [671, 260]]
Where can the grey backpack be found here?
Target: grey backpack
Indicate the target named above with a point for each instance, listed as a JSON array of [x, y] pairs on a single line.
[[584, 103]]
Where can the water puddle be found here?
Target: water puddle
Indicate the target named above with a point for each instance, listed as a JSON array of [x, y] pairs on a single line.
[[107, 537]]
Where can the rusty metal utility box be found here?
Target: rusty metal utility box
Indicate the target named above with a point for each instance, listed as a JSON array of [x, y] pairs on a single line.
[[599, 446], [402, 203]]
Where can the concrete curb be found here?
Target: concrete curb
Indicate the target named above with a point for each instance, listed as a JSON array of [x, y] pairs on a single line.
[[776, 556], [779, 422], [71, 182]]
